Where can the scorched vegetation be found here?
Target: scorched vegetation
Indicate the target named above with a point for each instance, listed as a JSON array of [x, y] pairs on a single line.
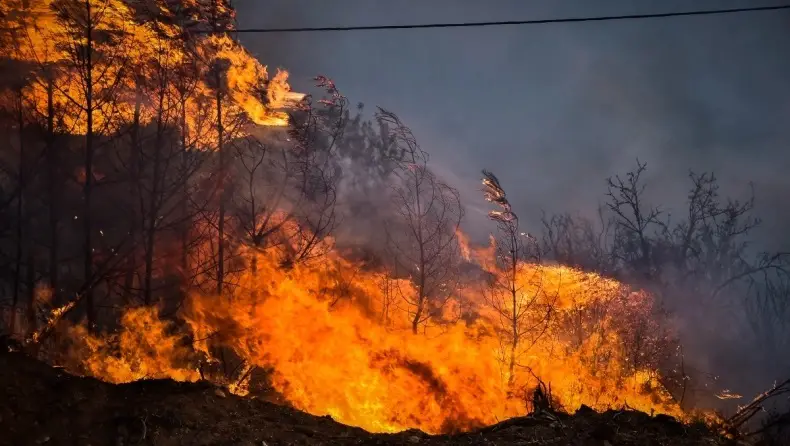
[[171, 209]]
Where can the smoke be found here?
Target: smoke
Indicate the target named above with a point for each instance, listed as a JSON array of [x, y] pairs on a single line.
[[555, 110]]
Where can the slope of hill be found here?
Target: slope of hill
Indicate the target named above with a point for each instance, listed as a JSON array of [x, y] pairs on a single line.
[[44, 405]]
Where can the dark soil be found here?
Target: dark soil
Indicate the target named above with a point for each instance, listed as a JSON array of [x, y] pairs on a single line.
[[41, 405]]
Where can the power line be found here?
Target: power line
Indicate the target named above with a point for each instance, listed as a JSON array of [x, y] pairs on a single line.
[[505, 23]]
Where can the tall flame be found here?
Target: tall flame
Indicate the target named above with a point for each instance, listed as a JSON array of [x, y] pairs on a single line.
[[330, 353], [49, 37], [336, 339]]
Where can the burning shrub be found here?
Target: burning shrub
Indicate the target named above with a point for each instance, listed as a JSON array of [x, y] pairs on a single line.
[[145, 347], [333, 357]]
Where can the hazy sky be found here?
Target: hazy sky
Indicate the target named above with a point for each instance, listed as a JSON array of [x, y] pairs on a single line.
[[555, 109]]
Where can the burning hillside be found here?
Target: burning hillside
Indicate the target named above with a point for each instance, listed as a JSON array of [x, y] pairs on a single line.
[[172, 111], [175, 217], [318, 328]]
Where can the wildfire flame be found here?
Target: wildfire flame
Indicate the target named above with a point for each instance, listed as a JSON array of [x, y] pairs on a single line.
[[463, 243], [334, 356], [342, 348], [134, 49]]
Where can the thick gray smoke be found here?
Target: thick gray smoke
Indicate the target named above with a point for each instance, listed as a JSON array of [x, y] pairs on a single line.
[[554, 110]]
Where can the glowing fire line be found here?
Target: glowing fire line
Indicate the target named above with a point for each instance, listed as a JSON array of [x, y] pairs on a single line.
[[339, 360]]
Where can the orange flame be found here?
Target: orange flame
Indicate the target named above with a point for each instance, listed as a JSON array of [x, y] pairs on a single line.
[[145, 351], [330, 354], [335, 335], [463, 243], [144, 48]]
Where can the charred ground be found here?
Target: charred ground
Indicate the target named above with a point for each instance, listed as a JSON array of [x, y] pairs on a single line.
[[44, 405]]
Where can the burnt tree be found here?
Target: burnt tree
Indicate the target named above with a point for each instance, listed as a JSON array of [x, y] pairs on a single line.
[[423, 242], [515, 291]]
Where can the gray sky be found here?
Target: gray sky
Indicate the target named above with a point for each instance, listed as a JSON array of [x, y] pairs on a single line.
[[555, 109]]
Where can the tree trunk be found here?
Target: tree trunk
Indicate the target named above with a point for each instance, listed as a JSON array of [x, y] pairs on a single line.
[[514, 316], [415, 323], [186, 222], [134, 190], [20, 214], [53, 176], [88, 187], [153, 210], [221, 222], [30, 264], [420, 242]]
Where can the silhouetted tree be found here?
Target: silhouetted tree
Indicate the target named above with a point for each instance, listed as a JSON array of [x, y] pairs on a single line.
[[425, 245], [515, 292]]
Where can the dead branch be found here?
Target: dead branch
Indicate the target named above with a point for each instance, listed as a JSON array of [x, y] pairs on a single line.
[[746, 413]]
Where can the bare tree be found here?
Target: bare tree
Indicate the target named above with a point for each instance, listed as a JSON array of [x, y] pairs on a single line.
[[633, 221], [424, 246], [164, 162], [98, 60], [705, 258], [316, 135], [707, 251], [262, 193], [229, 122], [219, 71], [32, 42], [579, 241], [285, 190], [23, 263], [515, 291]]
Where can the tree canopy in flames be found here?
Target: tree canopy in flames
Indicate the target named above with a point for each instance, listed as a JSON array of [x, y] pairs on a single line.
[[170, 210]]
